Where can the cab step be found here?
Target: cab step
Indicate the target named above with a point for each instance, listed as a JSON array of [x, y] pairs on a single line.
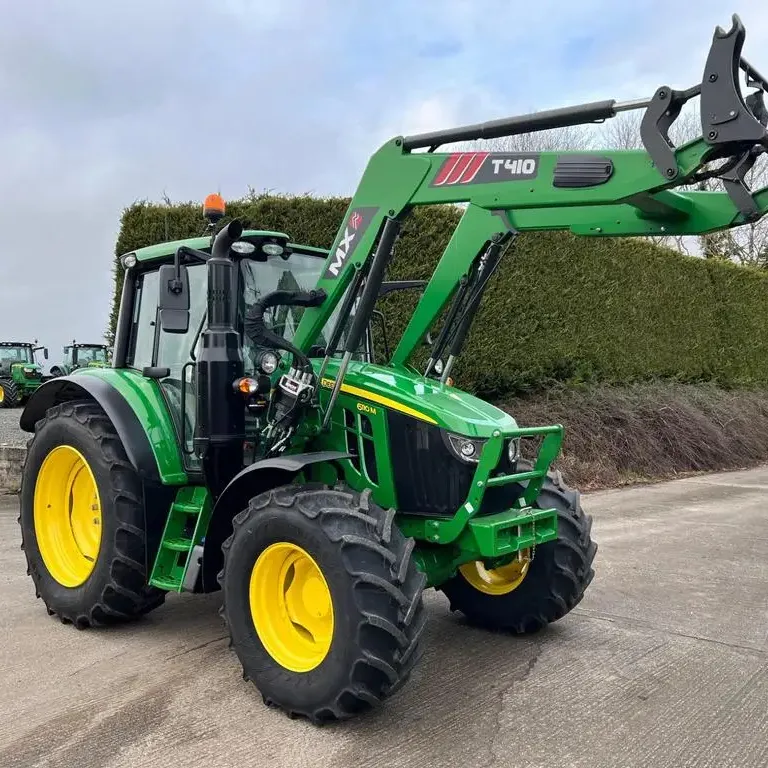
[[179, 556]]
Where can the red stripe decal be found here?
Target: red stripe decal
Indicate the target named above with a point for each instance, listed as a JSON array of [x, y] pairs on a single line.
[[473, 167], [460, 167], [448, 166]]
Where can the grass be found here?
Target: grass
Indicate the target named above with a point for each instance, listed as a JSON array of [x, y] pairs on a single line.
[[622, 435]]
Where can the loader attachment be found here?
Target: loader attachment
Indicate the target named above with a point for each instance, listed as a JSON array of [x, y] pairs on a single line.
[[596, 193]]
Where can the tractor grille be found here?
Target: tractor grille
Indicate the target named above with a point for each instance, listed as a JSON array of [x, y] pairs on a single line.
[[429, 479]]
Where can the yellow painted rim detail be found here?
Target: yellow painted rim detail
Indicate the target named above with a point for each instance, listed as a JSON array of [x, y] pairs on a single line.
[[2, 394], [291, 607], [497, 581], [67, 515]]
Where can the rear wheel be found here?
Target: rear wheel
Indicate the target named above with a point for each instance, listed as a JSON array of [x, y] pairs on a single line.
[[9, 394], [323, 600], [82, 521], [539, 587]]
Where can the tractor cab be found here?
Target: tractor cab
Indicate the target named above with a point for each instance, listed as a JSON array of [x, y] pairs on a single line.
[[149, 341], [81, 355], [16, 352]]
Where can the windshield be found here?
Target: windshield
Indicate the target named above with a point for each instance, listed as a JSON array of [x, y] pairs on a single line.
[[17, 354], [299, 272], [87, 355]]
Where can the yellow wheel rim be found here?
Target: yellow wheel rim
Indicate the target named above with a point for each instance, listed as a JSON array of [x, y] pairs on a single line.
[[497, 581], [2, 394], [291, 607], [67, 514]]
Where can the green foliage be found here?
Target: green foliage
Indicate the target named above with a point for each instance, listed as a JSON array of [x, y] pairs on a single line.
[[561, 308]]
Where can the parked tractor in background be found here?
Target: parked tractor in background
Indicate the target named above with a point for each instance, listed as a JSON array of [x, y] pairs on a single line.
[[249, 437], [81, 356], [20, 373]]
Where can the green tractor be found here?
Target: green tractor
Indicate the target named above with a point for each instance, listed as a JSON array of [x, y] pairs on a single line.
[[20, 373], [81, 356], [250, 436]]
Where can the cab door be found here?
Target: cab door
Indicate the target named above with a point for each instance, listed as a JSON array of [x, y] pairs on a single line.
[[171, 353], [177, 353]]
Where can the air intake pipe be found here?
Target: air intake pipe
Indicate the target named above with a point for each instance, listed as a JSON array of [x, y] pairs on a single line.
[[220, 411]]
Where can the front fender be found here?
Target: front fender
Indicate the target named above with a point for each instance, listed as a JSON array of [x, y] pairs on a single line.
[[249, 482], [134, 405]]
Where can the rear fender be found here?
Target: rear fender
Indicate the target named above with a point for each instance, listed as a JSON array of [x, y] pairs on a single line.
[[251, 481], [126, 423], [135, 407]]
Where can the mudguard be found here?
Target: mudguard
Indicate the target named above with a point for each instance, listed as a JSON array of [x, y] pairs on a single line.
[[251, 481], [127, 424]]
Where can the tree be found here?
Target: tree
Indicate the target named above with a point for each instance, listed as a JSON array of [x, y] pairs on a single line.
[[574, 137]]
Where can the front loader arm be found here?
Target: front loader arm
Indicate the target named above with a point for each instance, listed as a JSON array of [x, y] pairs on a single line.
[[596, 193]]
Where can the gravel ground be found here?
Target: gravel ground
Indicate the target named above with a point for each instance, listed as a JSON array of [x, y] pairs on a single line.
[[10, 434]]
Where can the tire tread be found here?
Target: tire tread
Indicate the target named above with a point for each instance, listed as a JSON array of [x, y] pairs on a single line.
[[355, 524], [119, 599]]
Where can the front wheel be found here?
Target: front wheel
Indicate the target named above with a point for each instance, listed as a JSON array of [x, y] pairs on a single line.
[[322, 599], [538, 587]]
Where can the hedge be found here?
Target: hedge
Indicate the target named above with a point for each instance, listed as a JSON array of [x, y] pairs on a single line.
[[561, 308]]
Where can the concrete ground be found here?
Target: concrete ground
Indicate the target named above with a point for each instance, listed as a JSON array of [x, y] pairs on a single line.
[[665, 663]]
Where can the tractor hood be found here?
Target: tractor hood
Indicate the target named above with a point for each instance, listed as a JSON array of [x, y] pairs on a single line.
[[29, 370], [422, 398]]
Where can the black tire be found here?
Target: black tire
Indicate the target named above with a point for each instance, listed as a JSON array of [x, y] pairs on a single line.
[[557, 578], [117, 588], [56, 371], [376, 592], [10, 393]]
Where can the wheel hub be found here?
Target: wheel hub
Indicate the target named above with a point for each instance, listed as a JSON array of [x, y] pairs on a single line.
[[291, 607], [67, 515], [497, 581]]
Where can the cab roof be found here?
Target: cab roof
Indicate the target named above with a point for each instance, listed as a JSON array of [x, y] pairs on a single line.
[[16, 344], [167, 249]]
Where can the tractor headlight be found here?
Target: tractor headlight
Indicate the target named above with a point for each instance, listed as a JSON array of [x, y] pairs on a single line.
[[268, 362], [464, 448], [272, 249], [243, 247], [129, 260], [438, 367], [513, 450]]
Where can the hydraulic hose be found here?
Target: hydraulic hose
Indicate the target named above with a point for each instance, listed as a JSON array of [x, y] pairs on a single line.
[[259, 334]]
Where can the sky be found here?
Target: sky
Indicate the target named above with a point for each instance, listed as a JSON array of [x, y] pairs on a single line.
[[104, 104]]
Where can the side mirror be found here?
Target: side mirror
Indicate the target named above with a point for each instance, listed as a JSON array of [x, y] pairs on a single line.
[[45, 352], [173, 301]]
